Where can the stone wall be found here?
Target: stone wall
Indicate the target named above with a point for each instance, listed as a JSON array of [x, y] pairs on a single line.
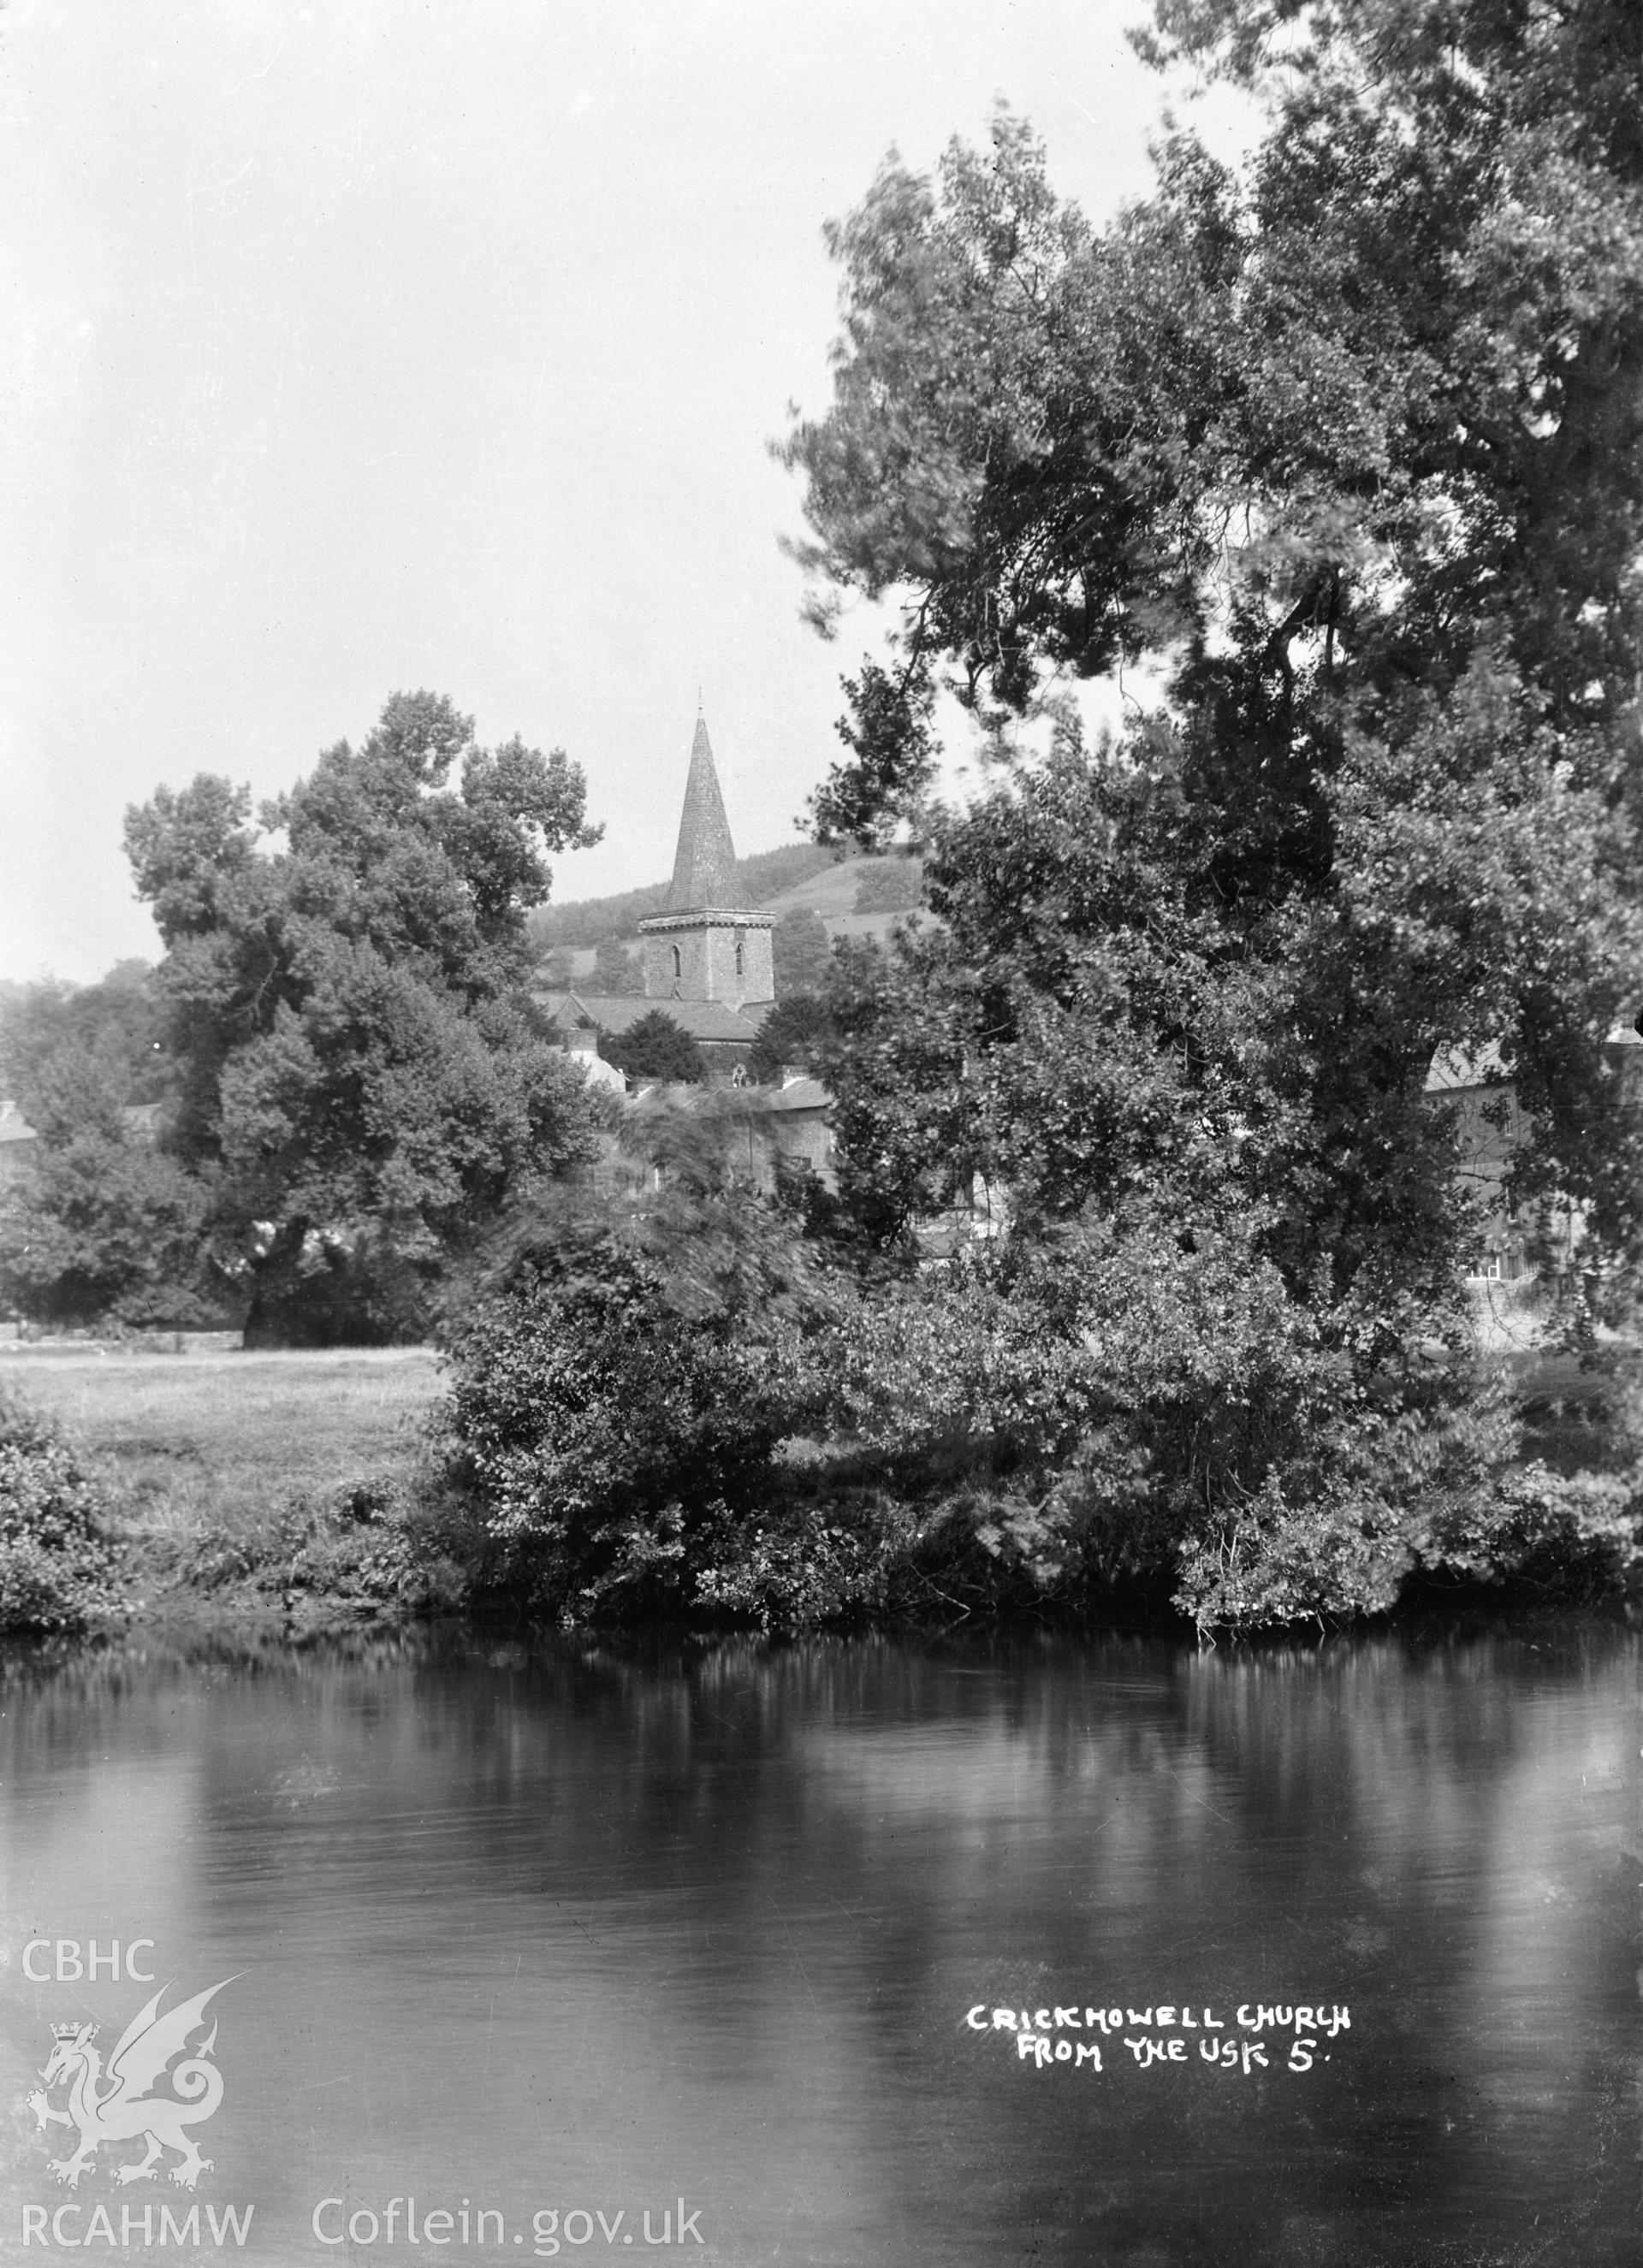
[[694, 957]]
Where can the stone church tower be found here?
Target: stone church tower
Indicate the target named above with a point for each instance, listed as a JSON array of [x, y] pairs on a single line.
[[704, 948]]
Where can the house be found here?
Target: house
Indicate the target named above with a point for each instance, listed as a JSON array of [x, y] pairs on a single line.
[[725, 1037], [1491, 1127], [581, 1041], [797, 1132], [19, 1144]]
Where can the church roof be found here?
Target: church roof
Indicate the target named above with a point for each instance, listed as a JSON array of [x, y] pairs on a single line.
[[703, 1020], [705, 866]]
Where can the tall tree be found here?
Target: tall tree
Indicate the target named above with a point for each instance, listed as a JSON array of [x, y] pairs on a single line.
[[1346, 449], [801, 952], [48, 1027], [103, 1225], [364, 1079], [616, 970], [1336, 457]]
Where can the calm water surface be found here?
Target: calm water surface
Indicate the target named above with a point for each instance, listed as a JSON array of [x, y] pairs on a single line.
[[562, 1931]]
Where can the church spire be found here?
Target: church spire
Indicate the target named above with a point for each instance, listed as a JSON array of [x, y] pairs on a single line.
[[705, 866]]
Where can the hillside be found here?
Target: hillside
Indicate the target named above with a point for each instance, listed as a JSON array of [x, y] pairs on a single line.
[[585, 921], [833, 895], [829, 890]]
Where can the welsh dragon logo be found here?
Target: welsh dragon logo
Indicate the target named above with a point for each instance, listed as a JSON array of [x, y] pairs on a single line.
[[115, 2105]]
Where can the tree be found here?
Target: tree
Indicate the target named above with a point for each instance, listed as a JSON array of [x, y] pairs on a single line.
[[105, 1226], [117, 1022], [1346, 450], [1351, 449], [655, 1048], [793, 1035], [801, 949], [887, 777], [616, 970], [363, 1079]]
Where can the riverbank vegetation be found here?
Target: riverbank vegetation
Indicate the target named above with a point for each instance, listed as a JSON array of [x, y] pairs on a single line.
[[1143, 1276], [614, 1438]]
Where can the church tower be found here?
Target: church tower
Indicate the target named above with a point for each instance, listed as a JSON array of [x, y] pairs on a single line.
[[704, 948]]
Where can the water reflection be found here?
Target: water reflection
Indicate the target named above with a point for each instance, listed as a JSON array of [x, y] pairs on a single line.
[[555, 1925]]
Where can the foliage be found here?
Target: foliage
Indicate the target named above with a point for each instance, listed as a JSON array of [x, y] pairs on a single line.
[[601, 1434], [691, 1204], [617, 969], [58, 1566], [105, 1227], [1344, 454], [102, 1227], [116, 1025], [1111, 1412], [1348, 449], [803, 1565], [360, 1552], [1354, 405], [800, 950], [655, 1046], [892, 761], [363, 1076], [792, 1037]]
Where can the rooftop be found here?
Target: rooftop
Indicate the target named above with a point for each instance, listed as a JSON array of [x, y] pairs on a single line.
[[800, 1094], [614, 1012]]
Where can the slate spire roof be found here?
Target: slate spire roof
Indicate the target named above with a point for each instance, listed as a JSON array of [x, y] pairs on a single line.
[[705, 866]]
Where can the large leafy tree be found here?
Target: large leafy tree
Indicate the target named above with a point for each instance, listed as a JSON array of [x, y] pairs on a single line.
[[617, 971], [1341, 454], [102, 1224], [47, 1028], [362, 1079], [1335, 463], [801, 952]]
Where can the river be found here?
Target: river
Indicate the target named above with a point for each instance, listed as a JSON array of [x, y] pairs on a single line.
[[855, 1951]]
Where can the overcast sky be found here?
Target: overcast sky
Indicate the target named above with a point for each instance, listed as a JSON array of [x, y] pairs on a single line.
[[372, 345]]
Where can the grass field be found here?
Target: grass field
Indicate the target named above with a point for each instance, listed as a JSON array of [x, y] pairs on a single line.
[[198, 1441]]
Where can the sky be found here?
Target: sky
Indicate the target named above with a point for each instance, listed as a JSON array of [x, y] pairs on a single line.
[[369, 345]]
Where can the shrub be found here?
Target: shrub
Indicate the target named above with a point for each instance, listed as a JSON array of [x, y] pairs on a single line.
[[656, 1047], [57, 1565], [600, 1438], [1117, 1406], [792, 1037], [359, 1551], [799, 1567]]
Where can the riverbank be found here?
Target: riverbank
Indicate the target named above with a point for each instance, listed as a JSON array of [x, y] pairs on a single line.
[[290, 1489], [214, 1437], [242, 1487]]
